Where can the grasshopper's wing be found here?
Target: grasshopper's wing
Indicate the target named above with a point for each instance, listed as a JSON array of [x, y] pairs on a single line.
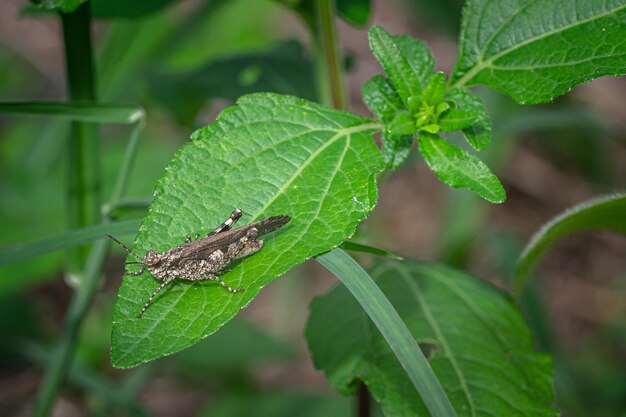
[[201, 249]]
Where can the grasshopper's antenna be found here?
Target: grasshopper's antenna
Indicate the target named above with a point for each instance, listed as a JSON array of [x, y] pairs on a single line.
[[125, 247]]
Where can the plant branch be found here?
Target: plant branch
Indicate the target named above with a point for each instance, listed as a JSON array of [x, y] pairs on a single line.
[[330, 80], [83, 175], [61, 358]]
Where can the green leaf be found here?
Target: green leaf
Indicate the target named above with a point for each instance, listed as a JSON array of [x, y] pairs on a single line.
[[431, 128], [536, 51], [458, 168], [68, 240], [435, 91], [356, 12], [607, 212], [269, 155], [391, 328], [476, 342], [396, 149], [381, 98], [455, 119], [283, 69], [418, 56], [78, 112], [479, 134], [395, 62], [402, 124]]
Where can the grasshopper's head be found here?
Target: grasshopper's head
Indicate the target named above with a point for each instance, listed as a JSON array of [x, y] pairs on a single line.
[[151, 258]]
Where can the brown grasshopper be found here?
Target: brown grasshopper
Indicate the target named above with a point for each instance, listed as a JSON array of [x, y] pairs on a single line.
[[205, 258]]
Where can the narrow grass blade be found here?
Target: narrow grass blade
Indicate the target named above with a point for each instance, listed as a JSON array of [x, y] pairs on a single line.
[[77, 112], [74, 238], [358, 247]]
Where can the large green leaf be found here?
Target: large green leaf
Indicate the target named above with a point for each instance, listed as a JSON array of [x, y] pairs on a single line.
[[477, 342], [535, 51], [459, 168], [269, 155], [608, 212]]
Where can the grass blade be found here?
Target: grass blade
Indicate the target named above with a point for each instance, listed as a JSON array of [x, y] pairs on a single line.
[[77, 112], [359, 247], [71, 239]]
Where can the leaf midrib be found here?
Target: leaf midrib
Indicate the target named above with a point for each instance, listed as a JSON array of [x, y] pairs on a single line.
[[442, 278], [441, 338], [340, 133], [481, 65]]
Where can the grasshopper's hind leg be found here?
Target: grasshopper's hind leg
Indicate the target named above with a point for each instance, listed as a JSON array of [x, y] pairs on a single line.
[[234, 216], [160, 287], [213, 277]]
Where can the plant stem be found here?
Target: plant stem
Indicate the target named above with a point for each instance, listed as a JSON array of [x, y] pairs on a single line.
[[83, 198], [330, 80], [364, 401], [127, 163], [61, 357], [83, 176]]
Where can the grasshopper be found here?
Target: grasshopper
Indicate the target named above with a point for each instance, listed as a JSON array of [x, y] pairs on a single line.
[[205, 258]]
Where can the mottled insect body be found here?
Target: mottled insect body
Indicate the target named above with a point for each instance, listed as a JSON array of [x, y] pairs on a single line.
[[205, 258]]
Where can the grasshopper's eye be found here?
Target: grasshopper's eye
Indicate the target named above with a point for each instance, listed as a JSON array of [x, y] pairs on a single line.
[[152, 258]]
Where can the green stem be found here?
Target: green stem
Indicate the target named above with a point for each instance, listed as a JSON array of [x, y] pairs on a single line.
[[363, 401], [61, 358], [330, 80], [83, 187], [127, 163], [84, 199]]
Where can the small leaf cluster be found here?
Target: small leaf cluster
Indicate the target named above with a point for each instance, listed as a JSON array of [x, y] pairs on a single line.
[[431, 113], [414, 99]]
